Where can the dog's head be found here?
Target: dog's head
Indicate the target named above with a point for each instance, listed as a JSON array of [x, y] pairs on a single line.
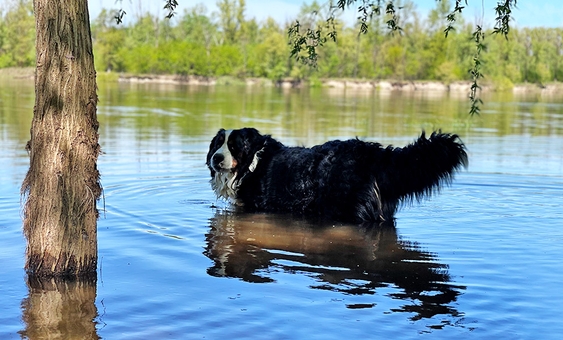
[[232, 154]]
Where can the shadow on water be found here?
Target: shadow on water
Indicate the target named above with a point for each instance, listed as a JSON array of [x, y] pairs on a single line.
[[355, 260], [59, 309]]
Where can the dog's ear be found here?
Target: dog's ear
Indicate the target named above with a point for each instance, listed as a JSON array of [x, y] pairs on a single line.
[[217, 139], [250, 132], [252, 139]]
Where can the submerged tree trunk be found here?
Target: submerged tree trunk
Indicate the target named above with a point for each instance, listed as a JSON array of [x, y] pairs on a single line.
[[62, 184]]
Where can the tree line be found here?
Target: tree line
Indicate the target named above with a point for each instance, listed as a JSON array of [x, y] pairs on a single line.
[[227, 43]]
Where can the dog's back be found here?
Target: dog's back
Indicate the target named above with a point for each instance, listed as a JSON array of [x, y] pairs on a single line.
[[351, 181]]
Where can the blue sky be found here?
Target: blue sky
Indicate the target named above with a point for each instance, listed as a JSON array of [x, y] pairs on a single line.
[[530, 13]]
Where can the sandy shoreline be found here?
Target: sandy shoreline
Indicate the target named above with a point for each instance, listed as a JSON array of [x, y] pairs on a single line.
[[345, 84], [352, 84]]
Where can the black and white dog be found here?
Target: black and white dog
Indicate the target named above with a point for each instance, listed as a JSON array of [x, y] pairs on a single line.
[[348, 181]]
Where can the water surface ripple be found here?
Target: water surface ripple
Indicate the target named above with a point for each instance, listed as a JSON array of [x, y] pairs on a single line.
[[480, 260]]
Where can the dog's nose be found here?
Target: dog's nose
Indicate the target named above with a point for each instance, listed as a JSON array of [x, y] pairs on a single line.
[[217, 158]]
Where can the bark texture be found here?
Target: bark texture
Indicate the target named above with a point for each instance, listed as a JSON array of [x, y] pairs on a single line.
[[62, 185]]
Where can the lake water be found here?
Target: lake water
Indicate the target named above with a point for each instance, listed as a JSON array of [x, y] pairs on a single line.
[[481, 260]]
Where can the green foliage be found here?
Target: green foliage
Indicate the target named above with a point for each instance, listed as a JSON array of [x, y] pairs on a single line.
[[170, 6], [232, 20], [315, 36], [478, 37], [228, 44], [17, 35], [107, 39], [502, 83]]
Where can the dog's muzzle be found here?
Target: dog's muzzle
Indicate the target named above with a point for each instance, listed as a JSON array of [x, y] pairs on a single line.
[[222, 163], [217, 162]]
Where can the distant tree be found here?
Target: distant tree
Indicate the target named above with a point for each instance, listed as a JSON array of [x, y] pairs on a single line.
[[107, 41], [306, 39], [197, 27], [17, 35], [271, 52], [231, 16]]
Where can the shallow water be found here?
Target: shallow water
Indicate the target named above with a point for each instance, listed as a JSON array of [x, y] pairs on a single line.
[[480, 260]]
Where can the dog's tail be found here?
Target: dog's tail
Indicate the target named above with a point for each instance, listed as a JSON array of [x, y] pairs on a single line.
[[419, 169]]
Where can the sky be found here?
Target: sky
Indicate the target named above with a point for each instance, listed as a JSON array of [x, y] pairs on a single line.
[[529, 13]]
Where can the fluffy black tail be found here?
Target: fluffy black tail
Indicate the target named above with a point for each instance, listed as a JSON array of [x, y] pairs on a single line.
[[419, 169]]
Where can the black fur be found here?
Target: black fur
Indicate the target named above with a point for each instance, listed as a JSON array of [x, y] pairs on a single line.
[[349, 181]]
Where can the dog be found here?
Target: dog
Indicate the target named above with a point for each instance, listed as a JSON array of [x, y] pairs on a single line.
[[348, 181]]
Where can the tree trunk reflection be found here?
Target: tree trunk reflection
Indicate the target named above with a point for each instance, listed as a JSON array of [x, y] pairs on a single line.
[[59, 309]]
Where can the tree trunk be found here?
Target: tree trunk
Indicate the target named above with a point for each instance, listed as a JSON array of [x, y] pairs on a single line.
[[62, 184]]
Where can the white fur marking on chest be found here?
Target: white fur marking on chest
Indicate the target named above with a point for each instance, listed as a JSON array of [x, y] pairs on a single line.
[[225, 185]]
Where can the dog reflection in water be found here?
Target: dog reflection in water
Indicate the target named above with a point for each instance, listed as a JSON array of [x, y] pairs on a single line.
[[351, 259]]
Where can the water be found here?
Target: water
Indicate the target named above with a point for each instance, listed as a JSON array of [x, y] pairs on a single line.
[[481, 260]]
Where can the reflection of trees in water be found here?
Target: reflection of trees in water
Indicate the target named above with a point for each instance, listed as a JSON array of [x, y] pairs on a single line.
[[348, 259], [60, 309]]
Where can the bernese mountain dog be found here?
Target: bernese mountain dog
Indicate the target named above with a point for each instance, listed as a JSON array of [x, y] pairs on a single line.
[[348, 181]]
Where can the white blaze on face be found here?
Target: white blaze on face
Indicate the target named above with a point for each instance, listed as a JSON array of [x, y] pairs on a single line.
[[224, 183], [228, 160]]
